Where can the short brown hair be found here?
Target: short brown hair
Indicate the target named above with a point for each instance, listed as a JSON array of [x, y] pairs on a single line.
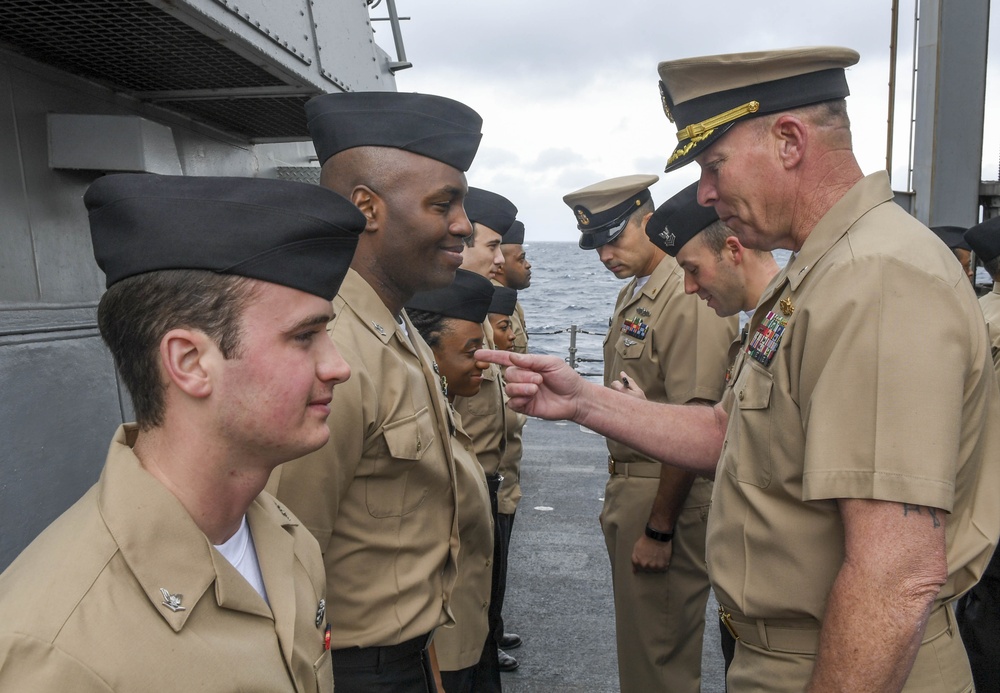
[[136, 312], [714, 237]]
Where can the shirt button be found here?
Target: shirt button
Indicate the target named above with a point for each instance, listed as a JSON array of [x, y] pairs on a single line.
[[743, 393]]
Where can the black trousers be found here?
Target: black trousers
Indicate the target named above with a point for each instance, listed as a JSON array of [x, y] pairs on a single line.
[[728, 647], [505, 525], [978, 615], [403, 668]]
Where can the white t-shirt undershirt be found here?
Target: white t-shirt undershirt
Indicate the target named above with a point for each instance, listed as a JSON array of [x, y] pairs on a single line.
[[241, 553]]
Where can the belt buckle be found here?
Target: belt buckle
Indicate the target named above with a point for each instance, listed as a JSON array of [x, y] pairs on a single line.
[[726, 617], [611, 465]]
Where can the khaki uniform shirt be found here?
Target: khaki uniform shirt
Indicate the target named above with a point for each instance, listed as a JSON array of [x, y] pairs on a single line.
[[879, 386], [462, 646], [520, 332], [510, 465], [81, 608], [671, 344], [380, 495], [990, 303]]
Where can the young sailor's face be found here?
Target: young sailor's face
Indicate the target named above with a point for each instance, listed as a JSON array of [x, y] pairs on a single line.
[[503, 331], [274, 396], [455, 354], [484, 256]]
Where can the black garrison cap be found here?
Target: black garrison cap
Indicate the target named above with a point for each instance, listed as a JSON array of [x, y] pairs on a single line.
[[515, 234], [953, 236], [985, 239], [489, 209], [504, 300], [432, 126], [466, 298], [294, 234], [603, 209], [706, 96], [678, 220]]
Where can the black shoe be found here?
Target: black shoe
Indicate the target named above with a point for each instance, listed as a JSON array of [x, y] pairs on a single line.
[[507, 663], [510, 641]]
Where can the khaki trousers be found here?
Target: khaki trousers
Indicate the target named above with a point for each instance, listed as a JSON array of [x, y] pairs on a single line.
[[659, 617], [778, 661]]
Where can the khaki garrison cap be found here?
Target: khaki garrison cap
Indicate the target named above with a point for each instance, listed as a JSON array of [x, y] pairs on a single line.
[[706, 96], [602, 210]]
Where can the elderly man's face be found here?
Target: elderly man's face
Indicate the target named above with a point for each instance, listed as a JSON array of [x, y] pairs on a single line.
[[740, 177]]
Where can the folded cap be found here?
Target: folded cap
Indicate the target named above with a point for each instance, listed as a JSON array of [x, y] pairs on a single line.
[[515, 234], [603, 209], [490, 209], [504, 300], [706, 96], [678, 220], [984, 239], [466, 298], [294, 234], [432, 126]]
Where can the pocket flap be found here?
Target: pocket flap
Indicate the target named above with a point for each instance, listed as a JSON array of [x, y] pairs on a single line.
[[408, 438], [755, 391], [629, 348]]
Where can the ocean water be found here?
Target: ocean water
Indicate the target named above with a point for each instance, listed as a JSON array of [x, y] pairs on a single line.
[[570, 286]]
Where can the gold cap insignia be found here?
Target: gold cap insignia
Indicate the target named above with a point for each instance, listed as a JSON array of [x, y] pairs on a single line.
[[666, 105], [582, 217]]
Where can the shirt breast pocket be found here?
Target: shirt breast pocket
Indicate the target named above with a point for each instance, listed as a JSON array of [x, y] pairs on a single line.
[[388, 491], [629, 349], [488, 402], [750, 462], [323, 670]]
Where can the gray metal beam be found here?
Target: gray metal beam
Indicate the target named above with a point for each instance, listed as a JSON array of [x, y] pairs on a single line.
[[950, 102]]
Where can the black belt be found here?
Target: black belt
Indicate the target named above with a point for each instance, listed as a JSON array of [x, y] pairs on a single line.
[[494, 482], [375, 656]]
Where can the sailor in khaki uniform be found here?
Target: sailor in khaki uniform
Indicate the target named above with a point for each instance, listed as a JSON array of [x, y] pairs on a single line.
[[174, 571], [984, 239], [515, 274], [727, 276], [978, 611], [484, 414], [673, 348], [855, 491], [381, 498], [504, 306], [450, 321]]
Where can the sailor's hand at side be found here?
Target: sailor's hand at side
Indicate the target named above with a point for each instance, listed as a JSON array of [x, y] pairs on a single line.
[[542, 386], [651, 556]]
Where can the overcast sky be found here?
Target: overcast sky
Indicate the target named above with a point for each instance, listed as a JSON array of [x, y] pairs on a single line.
[[568, 88]]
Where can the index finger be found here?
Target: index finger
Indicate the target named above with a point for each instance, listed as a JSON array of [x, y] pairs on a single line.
[[501, 358]]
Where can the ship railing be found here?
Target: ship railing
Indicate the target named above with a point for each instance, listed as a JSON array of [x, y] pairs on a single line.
[[573, 360]]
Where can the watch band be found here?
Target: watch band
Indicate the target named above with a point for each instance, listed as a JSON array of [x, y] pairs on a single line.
[[659, 536]]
